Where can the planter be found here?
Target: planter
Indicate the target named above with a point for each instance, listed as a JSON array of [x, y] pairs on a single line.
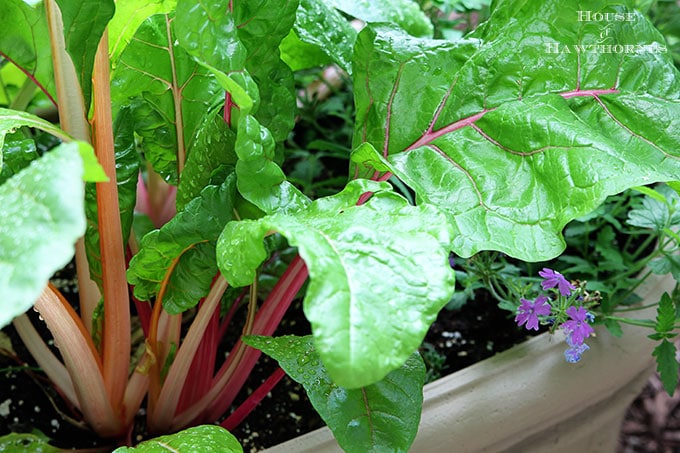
[[529, 399]]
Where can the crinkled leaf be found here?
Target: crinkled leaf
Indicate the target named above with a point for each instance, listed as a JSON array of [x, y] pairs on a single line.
[[184, 246], [17, 152], [26, 443], [127, 171], [380, 417], [84, 23], [260, 180], [658, 212], [511, 134], [666, 264], [43, 216], [25, 40], [667, 365], [404, 13], [319, 24], [202, 438], [128, 17], [215, 140], [262, 26], [379, 274], [168, 91]]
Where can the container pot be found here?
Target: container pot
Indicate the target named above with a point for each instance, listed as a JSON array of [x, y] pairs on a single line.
[[528, 399]]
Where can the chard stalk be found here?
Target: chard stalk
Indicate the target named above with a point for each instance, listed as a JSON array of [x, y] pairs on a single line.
[[116, 335]]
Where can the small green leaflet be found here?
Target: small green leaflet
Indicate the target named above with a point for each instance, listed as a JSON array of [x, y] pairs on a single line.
[[204, 438]]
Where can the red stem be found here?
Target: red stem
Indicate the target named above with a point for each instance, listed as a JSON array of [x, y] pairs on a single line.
[[241, 412]]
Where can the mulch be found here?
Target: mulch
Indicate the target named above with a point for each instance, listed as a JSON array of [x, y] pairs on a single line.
[[652, 423]]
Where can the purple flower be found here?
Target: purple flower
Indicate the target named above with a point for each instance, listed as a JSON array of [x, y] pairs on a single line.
[[552, 279], [577, 328], [528, 312], [573, 354]]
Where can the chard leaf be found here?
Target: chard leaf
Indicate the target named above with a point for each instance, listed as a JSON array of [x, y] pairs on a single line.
[[26, 443], [185, 246], [513, 132], [17, 153], [262, 27], [404, 13], [379, 274], [128, 17], [25, 41], [198, 438], [383, 416], [215, 140], [168, 91], [42, 219], [320, 25], [298, 55], [84, 24]]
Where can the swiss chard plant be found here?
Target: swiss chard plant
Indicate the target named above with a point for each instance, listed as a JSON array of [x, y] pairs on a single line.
[[502, 137]]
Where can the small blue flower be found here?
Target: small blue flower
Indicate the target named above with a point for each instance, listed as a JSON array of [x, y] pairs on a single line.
[[573, 354]]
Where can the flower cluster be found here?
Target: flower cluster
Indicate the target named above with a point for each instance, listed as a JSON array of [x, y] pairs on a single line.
[[563, 310]]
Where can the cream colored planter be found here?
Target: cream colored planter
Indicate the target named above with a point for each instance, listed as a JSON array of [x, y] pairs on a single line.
[[528, 399]]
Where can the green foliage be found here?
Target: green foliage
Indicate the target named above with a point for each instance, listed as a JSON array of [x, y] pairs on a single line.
[[26, 443], [184, 246], [200, 438], [459, 121], [374, 259], [42, 218], [667, 364], [383, 416], [84, 23]]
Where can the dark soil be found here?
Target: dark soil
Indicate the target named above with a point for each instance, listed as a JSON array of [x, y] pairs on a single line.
[[456, 340]]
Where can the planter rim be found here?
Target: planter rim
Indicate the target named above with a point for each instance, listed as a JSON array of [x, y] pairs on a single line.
[[530, 384]]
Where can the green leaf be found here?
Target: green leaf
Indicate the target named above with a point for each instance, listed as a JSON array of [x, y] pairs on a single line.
[[665, 318], [260, 180], [667, 365], [511, 136], [42, 219], [199, 438], [666, 264], [298, 55], [404, 13], [613, 327], [320, 25], [169, 94], [17, 153], [11, 120], [379, 274], [25, 40], [657, 212], [26, 443], [184, 246], [128, 17], [215, 141], [380, 417], [84, 23]]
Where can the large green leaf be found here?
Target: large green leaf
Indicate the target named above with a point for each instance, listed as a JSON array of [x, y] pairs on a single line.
[[26, 443], [42, 217], [84, 24], [516, 131], [379, 274], [128, 17], [168, 91], [380, 417], [202, 438], [25, 40], [184, 246], [17, 152]]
